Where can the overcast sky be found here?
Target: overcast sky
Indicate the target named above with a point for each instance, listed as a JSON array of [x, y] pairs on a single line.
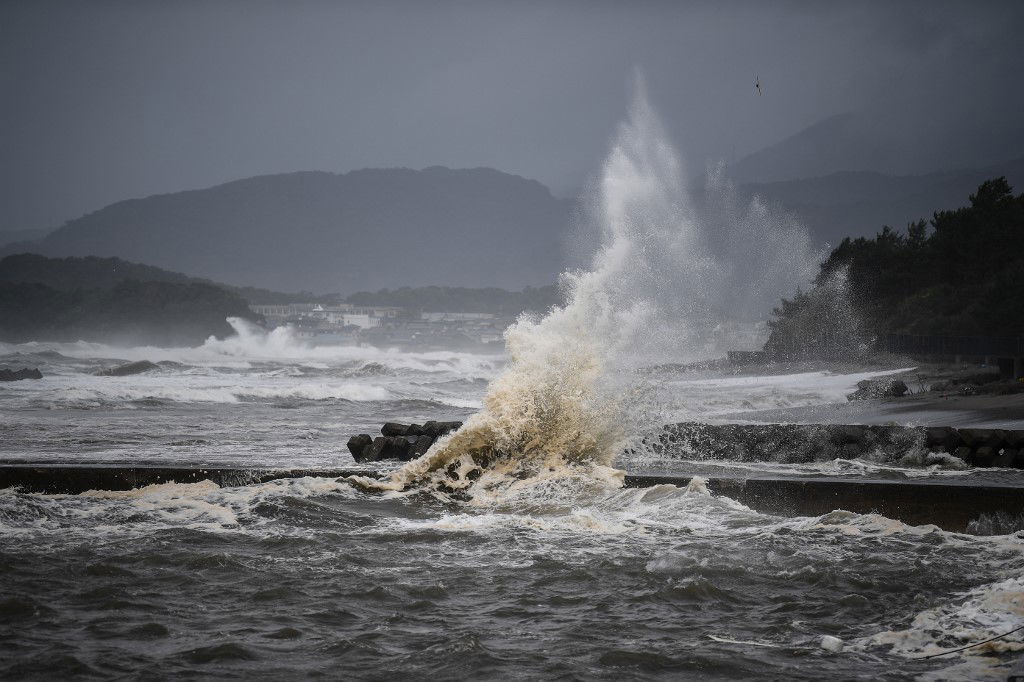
[[103, 101]]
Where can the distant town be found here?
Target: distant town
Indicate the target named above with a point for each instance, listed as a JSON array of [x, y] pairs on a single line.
[[347, 323]]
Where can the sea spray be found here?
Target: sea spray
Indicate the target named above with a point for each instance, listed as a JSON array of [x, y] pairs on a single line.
[[659, 286]]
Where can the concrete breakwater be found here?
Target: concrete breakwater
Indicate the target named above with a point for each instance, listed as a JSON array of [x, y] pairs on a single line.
[[977, 508], [801, 443]]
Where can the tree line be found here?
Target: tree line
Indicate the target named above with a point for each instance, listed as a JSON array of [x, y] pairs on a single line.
[[959, 274]]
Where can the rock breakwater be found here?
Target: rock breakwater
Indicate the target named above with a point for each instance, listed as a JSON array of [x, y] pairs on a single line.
[[403, 442], [801, 443], [784, 443]]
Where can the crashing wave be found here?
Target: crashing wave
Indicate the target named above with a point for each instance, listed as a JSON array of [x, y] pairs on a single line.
[[662, 283]]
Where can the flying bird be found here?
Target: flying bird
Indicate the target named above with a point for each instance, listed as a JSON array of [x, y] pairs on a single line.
[[757, 85]]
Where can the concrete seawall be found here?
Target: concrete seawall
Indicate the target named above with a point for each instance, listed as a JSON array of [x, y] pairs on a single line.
[[951, 506]]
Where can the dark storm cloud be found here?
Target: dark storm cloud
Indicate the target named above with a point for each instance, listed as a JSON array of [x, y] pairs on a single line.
[[108, 100]]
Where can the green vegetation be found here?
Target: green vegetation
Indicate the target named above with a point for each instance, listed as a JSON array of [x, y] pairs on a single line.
[[961, 274], [130, 312], [462, 299]]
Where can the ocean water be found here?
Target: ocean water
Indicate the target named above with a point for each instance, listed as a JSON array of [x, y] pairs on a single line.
[[562, 576]]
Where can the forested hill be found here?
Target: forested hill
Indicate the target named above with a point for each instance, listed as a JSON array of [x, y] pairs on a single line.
[[329, 232], [959, 274], [111, 300]]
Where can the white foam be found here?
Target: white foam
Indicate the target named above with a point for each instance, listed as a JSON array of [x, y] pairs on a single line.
[[86, 389], [970, 617], [252, 344]]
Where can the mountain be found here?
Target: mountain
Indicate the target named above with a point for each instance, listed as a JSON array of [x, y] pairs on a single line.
[[362, 230], [887, 143], [858, 204]]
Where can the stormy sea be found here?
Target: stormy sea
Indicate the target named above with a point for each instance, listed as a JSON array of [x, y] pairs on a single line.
[[535, 561]]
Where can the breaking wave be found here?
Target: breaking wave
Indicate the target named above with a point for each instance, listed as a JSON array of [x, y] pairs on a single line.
[[252, 345], [664, 279]]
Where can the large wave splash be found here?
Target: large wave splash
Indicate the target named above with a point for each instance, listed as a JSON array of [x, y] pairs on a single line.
[[664, 278]]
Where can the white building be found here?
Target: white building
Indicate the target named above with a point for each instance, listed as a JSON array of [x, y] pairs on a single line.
[[360, 320]]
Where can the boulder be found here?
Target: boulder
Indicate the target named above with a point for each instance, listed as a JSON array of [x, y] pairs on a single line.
[[395, 447], [984, 456], [414, 430], [847, 434], [128, 369], [420, 447], [357, 446], [881, 387], [941, 436], [375, 451], [438, 429], [20, 374], [1005, 458], [850, 451], [963, 452], [393, 429], [981, 437], [1015, 439]]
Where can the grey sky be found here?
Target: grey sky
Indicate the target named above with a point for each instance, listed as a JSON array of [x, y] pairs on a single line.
[[103, 101]]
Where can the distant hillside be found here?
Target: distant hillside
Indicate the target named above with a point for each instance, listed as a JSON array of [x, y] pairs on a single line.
[[82, 273], [327, 232], [858, 204], [93, 272], [129, 313], [881, 143]]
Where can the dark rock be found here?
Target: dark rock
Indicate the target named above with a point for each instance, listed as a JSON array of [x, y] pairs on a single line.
[[438, 429], [896, 389], [20, 374], [393, 429], [1015, 439], [421, 446], [984, 456], [375, 451], [941, 436], [964, 453], [1005, 458], [850, 451], [881, 387], [395, 447], [357, 445], [845, 433], [128, 369], [979, 437], [414, 430], [448, 427]]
